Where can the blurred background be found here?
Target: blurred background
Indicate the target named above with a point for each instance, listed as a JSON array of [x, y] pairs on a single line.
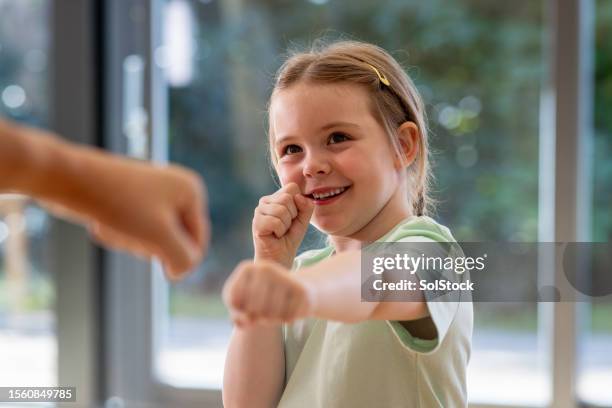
[[188, 81]]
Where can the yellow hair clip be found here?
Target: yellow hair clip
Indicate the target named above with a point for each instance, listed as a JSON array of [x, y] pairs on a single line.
[[382, 78]]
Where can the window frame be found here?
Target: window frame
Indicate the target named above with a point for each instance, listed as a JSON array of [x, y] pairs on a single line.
[[136, 291], [76, 266]]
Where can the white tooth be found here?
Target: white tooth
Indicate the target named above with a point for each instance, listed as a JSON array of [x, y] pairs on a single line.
[[320, 196]]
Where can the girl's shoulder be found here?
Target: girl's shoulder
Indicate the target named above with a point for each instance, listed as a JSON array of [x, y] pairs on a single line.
[[414, 228]]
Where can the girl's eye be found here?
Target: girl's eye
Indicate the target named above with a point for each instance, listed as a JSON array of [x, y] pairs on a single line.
[[338, 137], [291, 149]]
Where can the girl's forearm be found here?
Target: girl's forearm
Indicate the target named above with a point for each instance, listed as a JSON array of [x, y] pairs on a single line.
[[254, 368], [336, 287]]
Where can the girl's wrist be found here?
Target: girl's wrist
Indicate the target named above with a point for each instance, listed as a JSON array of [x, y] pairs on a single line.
[[286, 261], [310, 289], [285, 264]]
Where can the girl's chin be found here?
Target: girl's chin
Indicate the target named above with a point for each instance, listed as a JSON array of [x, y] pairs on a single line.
[[324, 225], [328, 225]]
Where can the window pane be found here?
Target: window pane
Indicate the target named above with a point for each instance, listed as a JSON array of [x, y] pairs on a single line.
[[479, 67], [28, 347], [595, 360]]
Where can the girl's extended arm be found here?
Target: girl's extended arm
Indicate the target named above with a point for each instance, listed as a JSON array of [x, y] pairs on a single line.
[[335, 284], [331, 290]]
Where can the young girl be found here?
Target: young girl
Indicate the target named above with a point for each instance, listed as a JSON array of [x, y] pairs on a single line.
[[349, 142]]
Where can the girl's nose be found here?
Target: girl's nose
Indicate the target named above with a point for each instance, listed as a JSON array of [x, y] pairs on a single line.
[[316, 165]]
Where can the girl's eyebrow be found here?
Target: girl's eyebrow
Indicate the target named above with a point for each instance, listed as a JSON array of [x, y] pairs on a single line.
[[328, 126], [283, 139], [339, 124]]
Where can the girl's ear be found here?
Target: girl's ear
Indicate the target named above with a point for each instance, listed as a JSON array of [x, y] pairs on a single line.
[[409, 138]]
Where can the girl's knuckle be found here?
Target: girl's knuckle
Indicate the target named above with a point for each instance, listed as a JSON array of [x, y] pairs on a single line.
[[286, 198]]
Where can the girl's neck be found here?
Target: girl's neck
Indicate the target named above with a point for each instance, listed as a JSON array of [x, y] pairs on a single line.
[[396, 210]]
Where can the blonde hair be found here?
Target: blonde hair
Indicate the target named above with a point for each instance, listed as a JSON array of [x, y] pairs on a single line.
[[357, 62]]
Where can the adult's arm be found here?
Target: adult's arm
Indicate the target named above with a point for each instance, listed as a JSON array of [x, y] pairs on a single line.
[[130, 205]]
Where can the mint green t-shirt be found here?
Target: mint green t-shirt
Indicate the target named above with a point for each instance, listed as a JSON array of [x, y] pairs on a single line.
[[378, 363]]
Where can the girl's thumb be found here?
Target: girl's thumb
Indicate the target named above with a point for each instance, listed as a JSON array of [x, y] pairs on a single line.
[[305, 208]]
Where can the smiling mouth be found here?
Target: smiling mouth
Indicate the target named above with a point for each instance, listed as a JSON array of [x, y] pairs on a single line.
[[328, 195]]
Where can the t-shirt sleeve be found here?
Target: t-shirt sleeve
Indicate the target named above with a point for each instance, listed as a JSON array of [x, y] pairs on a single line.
[[442, 311], [442, 314], [311, 257]]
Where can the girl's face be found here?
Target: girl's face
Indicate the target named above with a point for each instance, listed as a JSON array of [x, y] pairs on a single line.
[[328, 142]]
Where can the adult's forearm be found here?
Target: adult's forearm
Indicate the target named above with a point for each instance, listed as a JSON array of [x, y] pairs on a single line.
[[35, 162], [20, 158], [254, 368], [42, 165]]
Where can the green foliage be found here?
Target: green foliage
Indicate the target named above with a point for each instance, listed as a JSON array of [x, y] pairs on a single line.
[[602, 160]]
